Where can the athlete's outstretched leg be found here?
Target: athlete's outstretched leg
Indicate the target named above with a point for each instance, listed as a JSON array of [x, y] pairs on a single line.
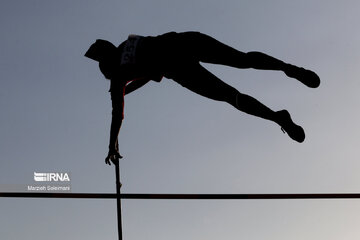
[[199, 80], [210, 50]]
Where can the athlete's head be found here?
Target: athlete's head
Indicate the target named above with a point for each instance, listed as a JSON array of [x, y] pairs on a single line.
[[101, 50]]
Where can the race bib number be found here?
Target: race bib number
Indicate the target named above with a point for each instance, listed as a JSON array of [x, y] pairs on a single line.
[[129, 53]]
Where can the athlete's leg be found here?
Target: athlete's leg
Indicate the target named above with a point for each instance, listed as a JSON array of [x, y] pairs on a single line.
[[199, 80], [210, 50]]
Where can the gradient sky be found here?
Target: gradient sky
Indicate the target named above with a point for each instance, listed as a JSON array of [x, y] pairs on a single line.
[[55, 115]]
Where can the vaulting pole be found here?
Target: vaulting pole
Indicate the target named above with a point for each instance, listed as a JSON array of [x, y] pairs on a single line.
[[118, 199]]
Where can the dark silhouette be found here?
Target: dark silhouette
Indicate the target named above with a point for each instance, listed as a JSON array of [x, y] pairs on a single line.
[[177, 56]]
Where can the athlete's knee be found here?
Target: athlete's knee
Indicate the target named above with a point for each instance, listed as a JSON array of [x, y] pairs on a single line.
[[233, 97], [256, 57], [252, 57], [243, 59]]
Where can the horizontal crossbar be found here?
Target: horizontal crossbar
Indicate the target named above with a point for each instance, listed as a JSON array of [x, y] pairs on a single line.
[[182, 196]]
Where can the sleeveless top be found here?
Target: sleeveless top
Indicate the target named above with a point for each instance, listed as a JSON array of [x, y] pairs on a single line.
[[136, 55]]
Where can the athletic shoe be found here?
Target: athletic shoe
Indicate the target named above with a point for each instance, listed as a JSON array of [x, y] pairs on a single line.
[[307, 77], [294, 131]]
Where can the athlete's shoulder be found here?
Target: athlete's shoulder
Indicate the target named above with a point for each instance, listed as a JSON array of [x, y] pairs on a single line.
[[117, 85]]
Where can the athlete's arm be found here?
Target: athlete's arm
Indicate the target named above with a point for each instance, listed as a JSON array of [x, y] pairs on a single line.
[[117, 99]]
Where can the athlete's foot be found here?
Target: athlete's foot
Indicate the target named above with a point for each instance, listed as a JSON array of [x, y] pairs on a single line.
[[307, 77], [294, 131]]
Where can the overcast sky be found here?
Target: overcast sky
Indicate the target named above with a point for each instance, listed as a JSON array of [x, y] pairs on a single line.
[[55, 114]]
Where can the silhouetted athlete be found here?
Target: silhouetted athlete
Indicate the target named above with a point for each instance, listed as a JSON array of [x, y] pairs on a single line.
[[177, 56]]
